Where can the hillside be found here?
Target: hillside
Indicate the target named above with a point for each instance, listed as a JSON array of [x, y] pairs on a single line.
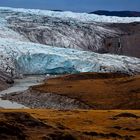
[[117, 13], [98, 91], [83, 91], [69, 125]]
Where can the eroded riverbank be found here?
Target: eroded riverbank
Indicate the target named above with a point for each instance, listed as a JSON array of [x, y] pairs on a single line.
[[20, 95], [83, 91], [19, 85]]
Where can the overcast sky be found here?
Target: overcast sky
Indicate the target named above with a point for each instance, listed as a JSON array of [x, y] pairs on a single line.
[[75, 5]]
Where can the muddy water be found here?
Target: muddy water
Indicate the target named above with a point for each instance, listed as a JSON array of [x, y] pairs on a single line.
[[19, 85]]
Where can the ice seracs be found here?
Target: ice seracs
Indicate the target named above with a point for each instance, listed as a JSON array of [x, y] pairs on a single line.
[[33, 58], [71, 30], [20, 27]]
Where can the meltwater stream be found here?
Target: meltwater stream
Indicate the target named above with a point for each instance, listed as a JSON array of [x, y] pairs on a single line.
[[19, 86]]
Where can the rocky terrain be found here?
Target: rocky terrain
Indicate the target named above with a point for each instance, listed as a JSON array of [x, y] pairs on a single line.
[[127, 43], [69, 125], [5, 80], [83, 91]]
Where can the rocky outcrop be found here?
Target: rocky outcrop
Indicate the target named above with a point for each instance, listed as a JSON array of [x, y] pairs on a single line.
[[126, 44], [5, 80]]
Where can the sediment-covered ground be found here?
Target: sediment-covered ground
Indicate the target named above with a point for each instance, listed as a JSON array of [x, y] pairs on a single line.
[[85, 90]]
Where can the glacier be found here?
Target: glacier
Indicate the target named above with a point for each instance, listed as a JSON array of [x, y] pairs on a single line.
[[60, 29], [33, 58], [52, 30], [47, 42], [84, 17]]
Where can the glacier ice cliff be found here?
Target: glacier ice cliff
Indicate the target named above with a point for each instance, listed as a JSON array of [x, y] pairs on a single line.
[[47, 42], [33, 58]]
